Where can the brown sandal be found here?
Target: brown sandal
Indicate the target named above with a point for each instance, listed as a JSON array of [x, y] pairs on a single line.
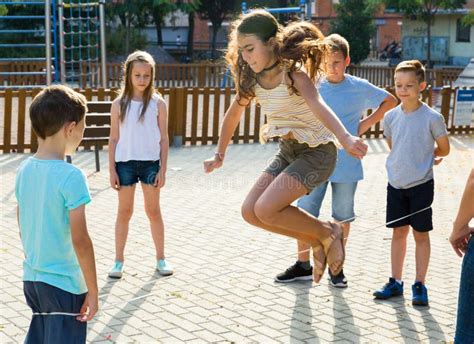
[[319, 264], [333, 254]]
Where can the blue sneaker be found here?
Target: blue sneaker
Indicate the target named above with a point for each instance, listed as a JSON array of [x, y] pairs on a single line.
[[163, 268], [420, 294], [391, 289], [117, 270]]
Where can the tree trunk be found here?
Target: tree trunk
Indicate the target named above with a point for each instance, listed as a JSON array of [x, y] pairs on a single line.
[[190, 45], [215, 28], [158, 20], [428, 32]]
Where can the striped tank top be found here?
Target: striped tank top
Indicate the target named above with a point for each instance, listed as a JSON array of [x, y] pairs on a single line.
[[288, 112]]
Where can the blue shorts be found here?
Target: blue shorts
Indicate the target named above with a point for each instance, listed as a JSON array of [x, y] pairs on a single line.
[[342, 200], [130, 172], [45, 298]]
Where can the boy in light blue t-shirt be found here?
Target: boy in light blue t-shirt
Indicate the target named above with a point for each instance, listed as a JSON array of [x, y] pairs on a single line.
[[349, 97], [59, 267]]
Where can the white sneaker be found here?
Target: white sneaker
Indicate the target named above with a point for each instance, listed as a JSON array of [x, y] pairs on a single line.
[[117, 270], [163, 268]]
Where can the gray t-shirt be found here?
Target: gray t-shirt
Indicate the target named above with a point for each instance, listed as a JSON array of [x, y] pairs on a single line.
[[413, 136]]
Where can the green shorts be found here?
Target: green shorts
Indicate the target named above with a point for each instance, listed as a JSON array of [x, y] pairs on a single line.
[[311, 166]]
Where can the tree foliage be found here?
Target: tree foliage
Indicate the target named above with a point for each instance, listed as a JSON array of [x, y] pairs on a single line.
[[354, 22]]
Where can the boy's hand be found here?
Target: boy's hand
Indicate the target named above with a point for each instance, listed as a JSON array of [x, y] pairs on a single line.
[[437, 160], [459, 239], [355, 146], [114, 180], [212, 164], [89, 308], [160, 179]]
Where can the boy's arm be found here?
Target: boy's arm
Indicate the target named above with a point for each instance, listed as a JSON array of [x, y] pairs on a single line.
[[389, 143], [442, 146], [388, 103], [85, 255]]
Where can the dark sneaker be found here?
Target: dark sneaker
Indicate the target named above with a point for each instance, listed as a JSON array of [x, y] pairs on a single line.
[[295, 273], [420, 294], [338, 281], [391, 289]]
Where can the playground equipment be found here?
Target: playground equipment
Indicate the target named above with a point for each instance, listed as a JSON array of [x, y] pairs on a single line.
[[73, 48], [82, 41], [301, 9], [48, 47]]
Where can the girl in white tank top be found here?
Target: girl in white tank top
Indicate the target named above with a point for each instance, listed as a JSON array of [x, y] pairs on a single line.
[[138, 152]]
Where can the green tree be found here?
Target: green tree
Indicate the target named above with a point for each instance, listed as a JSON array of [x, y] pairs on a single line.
[[353, 14], [425, 10], [216, 11], [190, 7], [159, 9], [469, 18]]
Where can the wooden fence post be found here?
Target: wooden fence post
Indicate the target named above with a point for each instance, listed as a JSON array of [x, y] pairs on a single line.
[[446, 105], [179, 110]]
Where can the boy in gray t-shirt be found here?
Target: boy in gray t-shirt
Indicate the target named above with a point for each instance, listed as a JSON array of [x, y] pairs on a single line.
[[417, 137]]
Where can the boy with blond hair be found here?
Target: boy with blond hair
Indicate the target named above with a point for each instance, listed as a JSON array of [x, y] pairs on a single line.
[[59, 274], [417, 137]]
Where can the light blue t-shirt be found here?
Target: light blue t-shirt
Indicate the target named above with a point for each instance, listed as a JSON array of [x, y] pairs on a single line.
[[413, 135], [46, 190], [350, 99]]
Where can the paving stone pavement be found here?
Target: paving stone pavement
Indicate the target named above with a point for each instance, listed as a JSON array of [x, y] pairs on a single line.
[[223, 289]]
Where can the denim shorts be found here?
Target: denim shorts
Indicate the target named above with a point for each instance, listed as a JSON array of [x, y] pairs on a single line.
[[42, 297], [402, 202], [342, 200], [311, 166], [465, 319], [132, 171]]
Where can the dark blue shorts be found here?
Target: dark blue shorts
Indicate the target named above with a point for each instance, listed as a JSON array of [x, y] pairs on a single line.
[[45, 298], [130, 172], [402, 202]]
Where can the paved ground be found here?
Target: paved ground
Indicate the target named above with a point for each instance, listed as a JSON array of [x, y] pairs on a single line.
[[223, 289]]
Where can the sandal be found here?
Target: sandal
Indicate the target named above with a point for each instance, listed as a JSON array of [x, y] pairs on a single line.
[[330, 245], [319, 261]]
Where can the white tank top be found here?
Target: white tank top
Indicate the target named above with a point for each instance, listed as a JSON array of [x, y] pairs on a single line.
[[139, 140]]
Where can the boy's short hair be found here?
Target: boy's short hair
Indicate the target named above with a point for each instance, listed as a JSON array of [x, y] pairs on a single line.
[[338, 43], [55, 106], [412, 66]]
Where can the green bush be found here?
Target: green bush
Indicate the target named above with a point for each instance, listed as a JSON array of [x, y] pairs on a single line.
[[116, 41]]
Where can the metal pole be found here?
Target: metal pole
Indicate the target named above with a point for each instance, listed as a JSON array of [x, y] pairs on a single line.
[[62, 54], [102, 42], [302, 9], [47, 27]]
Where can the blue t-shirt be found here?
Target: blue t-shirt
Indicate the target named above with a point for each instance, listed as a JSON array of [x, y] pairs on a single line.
[[350, 99], [46, 190], [413, 135]]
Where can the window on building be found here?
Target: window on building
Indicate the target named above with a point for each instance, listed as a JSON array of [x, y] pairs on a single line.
[[463, 32]]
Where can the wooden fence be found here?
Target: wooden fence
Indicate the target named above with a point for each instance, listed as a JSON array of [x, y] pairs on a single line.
[[195, 115], [197, 75]]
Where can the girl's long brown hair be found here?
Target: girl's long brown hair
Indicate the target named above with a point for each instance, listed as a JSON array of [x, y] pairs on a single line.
[[298, 46], [126, 93]]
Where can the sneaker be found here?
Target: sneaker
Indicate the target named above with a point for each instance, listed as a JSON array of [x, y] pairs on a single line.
[[163, 268], [391, 289], [420, 294], [338, 281], [117, 270], [295, 273]]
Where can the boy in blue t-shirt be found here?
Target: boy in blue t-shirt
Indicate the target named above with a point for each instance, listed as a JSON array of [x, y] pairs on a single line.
[[349, 97], [59, 267], [418, 139]]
